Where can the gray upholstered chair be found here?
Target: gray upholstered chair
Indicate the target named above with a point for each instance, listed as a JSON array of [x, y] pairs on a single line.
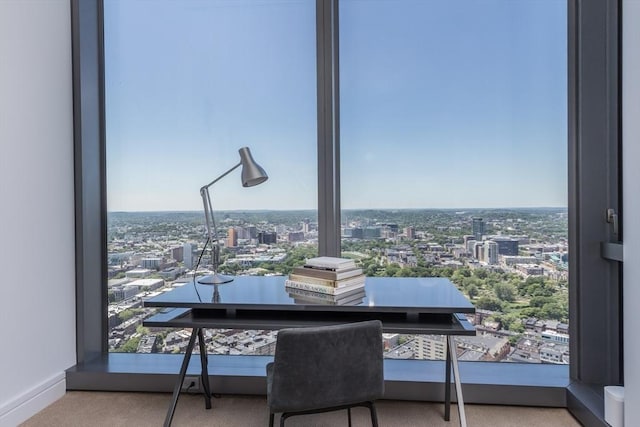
[[326, 368]]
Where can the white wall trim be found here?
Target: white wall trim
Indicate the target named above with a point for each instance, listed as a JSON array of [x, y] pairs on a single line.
[[33, 401]]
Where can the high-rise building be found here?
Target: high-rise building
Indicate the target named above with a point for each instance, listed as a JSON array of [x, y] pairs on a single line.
[[507, 245], [151, 263], [477, 228], [188, 249], [491, 252], [357, 233], [432, 347], [372, 232], [478, 250], [267, 238], [410, 232], [466, 238], [241, 232], [177, 253], [296, 236], [232, 238]]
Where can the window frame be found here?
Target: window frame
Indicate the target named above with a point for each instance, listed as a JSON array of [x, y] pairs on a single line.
[[594, 185]]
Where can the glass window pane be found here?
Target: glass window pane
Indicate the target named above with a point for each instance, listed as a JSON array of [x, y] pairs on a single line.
[[454, 161], [188, 83]]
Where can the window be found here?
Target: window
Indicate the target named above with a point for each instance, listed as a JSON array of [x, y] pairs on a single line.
[[593, 187], [181, 97], [454, 159]]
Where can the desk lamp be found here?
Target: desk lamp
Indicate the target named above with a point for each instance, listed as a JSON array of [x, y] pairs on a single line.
[[252, 174]]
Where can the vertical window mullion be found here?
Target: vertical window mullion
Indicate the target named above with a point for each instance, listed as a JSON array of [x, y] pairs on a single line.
[[90, 215], [594, 295], [328, 128]]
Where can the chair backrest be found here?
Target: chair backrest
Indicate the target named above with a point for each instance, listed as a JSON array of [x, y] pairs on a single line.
[[327, 366]]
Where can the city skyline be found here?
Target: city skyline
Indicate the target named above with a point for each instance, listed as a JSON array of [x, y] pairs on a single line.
[[511, 264], [431, 118], [462, 210]]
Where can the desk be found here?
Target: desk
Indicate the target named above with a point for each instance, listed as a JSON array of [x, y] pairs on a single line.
[[430, 306]]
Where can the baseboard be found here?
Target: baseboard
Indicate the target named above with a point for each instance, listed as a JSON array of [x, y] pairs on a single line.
[[33, 401]]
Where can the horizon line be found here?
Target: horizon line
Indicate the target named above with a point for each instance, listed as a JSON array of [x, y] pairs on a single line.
[[346, 209]]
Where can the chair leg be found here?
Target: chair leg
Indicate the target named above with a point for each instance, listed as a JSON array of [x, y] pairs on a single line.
[[349, 415], [270, 419], [374, 415], [282, 418]]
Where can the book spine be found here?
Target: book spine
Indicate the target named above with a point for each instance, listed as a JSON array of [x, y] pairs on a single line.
[[330, 267], [314, 272], [324, 282], [327, 274], [332, 263], [305, 294], [320, 288], [313, 280]]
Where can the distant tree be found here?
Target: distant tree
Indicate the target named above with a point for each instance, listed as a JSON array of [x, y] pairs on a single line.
[[266, 266], [542, 289], [130, 346], [460, 275], [517, 327], [554, 310], [511, 322], [371, 270], [405, 272], [471, 281], [420, 271], [446, 271], [505, 291], [465, 271], [486, 302], [480, 273], [126, 315], [513, 340], [472, 291], [230, 268], [540, 301], [391, 270]]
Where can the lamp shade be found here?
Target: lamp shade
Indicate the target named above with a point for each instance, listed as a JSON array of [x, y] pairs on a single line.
[[252, 173]]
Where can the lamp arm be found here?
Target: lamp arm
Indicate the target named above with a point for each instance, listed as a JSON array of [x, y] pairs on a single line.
[[206, 187], [212, 230]]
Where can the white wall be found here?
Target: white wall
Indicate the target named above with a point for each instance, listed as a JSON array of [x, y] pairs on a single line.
[[631, 196], [37, 291]]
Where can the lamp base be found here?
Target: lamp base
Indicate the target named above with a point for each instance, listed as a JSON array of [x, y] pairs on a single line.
[[214, 279]]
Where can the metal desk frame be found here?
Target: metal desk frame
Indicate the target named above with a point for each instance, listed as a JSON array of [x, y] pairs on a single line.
[[185, 312]]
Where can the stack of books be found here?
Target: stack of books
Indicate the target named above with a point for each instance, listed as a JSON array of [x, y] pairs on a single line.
[[327, 275], [300, 296]]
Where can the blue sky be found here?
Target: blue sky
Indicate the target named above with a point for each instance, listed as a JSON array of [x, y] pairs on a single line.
[[444, 104]]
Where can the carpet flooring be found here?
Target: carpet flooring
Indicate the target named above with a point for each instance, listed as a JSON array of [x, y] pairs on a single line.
[[114, 409]]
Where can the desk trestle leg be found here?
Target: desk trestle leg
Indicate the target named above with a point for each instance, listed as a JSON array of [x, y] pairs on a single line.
[[204, 374], [456, 377], [447, 382], [183, 371]]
